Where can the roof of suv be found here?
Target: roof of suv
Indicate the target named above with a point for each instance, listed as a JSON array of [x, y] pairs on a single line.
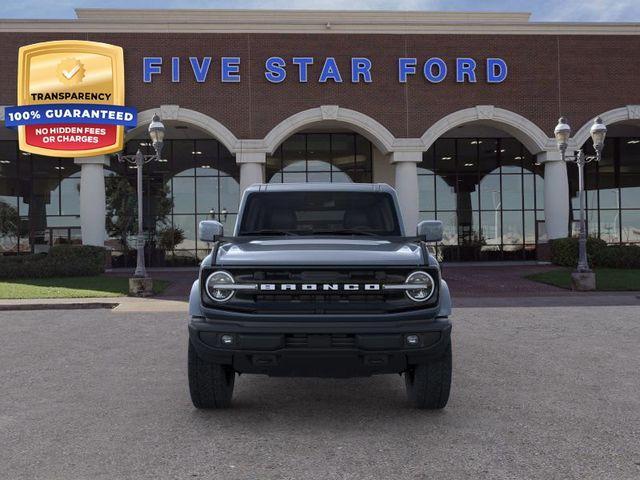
[[320, 187]]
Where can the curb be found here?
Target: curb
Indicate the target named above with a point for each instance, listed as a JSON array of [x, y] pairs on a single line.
[[57, 306]]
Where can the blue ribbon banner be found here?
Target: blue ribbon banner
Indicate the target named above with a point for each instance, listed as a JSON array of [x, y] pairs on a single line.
[[70, 113]]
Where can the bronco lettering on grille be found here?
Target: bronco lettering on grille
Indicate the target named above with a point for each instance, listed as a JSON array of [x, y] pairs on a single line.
[[323, 287]]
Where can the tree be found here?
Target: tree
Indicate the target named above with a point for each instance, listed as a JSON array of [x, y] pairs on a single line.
[[122, 208], [9, 221]]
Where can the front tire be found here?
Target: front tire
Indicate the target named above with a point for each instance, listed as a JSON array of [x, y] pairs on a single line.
[[210, 384], [428, 384]]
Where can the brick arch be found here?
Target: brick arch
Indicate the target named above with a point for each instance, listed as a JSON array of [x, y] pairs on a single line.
[[622, 114], [192, 117], [527, 132], [374, 131]]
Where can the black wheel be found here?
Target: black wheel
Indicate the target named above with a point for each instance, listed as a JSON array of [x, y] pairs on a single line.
[[428, 384], [210, 384]]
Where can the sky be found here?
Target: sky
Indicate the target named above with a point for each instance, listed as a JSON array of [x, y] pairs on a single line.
[[542, 10]]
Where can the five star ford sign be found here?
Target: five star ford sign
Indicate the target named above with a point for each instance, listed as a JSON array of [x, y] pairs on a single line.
[[71, 99]]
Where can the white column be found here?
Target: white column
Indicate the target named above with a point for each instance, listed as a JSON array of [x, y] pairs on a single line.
[[93, 208], [251, 168], [406, 184], [556, 194]]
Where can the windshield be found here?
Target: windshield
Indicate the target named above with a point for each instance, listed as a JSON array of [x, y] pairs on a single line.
[[320, 213]]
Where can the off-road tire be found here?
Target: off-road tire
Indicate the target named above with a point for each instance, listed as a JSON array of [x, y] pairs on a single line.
[[210, 384], [428, 384]]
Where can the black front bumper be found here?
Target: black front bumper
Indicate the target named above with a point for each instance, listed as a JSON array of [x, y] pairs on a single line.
[[319, 348]]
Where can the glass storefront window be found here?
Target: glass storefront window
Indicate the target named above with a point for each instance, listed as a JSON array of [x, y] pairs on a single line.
[[489, 194], [321, 157]]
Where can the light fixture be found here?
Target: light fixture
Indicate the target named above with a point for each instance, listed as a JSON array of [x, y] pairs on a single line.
[[58, 168], [447, 158], [468, 164], [205, 166], [224, 213], [196, 152], [562, 133], [517, 158], [156, 133], [476, 142], [5, 161], [633, 142], [598, 133], [502, 150]]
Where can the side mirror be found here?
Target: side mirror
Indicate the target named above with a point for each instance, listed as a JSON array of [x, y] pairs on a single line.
[[210, 230], [430, 230]]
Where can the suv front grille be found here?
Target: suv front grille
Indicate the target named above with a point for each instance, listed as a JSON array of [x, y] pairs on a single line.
[[320, 341]]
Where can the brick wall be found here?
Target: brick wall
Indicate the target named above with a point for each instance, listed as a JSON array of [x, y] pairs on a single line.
[[578, 76]]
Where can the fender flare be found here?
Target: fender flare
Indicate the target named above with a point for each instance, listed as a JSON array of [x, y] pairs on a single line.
[[194, 300]]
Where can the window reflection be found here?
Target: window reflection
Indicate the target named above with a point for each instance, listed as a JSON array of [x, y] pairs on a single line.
[[488, 193], [612, 191], [321, 157]]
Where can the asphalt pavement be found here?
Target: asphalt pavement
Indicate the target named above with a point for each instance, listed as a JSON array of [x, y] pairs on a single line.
[[538, 393]]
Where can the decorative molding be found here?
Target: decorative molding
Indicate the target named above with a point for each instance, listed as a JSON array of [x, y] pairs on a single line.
[[617, 115], [329, 112], [377, 133], [527, 132], [309, 21], [185, 115], [169, 112], [485, 112], [634, 112]]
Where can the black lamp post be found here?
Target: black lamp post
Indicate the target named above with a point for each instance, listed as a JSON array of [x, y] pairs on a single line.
[[156, 133]]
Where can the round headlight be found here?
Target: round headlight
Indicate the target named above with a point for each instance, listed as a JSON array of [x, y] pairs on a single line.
[[215, 286], [427, 286]]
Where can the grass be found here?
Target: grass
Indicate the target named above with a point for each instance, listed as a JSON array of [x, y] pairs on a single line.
[[607, 279], [70, 287]]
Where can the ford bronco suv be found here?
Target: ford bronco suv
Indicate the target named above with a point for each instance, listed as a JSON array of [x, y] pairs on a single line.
[[319, 280]]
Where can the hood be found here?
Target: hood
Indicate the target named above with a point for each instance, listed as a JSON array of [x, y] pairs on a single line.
[[319, 251]]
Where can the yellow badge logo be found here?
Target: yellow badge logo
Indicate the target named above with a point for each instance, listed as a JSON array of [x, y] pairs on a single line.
[[71, 98]]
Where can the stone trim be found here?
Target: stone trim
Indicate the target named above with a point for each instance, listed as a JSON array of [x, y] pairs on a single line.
[[628, 112], [532, 136], [301, 21], [200, 120], [358, 122]]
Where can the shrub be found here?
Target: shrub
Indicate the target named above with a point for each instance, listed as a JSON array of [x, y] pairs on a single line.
[[61, 261], [564, 252]]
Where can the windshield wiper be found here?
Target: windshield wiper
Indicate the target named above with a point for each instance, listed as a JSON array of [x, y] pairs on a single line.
[[269, 231], [346, 231]]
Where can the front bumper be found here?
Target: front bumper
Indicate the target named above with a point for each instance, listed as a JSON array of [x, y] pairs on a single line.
[[319, 348]]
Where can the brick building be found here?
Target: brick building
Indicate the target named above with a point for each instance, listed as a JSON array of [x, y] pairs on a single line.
[[455, 110]]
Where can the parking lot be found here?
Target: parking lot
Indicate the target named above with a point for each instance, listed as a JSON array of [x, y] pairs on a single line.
[[537, 393]]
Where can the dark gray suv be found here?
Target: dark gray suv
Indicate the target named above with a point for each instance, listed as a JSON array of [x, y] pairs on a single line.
[[320, 280]]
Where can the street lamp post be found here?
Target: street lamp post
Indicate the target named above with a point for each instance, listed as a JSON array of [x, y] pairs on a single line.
[[156, 133], [583, 278]]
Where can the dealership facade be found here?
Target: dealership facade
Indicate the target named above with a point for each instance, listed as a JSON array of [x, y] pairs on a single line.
[[455, 110]]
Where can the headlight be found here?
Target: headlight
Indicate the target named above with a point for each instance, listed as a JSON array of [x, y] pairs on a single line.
[[214, 286], [426, 283]]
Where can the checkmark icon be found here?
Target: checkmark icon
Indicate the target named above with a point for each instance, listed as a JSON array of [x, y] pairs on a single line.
[[71, 73]]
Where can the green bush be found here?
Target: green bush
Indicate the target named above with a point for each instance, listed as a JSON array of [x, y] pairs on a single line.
[[564, 252], [61, 261]]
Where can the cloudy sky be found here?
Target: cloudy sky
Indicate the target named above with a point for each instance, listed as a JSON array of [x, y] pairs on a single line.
[[542, 10]]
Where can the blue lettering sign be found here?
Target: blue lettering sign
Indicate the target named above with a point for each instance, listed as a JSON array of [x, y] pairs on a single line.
[[496, 70], [465, 67], [151, 66], [230, 69], [175, 69], [303, 65], [428, 70], [275, 69], [360, 67], [406, 66], [330, 71], [200, 71]]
